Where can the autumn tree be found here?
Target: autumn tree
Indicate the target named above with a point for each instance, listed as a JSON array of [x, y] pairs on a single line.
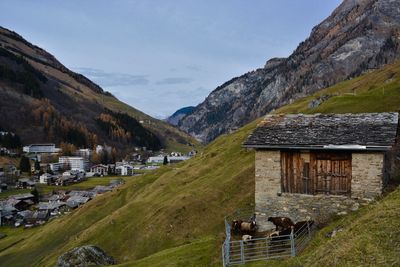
[[113, 155], [96, 157], [67, 149], [25, 164]]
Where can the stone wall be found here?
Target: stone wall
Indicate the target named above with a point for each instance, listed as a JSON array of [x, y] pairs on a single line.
[[300, 207], [367, 171], [367, 175], [268, 174]]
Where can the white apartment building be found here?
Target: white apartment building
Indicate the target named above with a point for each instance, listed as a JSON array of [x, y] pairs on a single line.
[[74, 163]]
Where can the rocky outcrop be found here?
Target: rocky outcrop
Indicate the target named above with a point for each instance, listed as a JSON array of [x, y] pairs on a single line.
[[85, 256], [360, 35]]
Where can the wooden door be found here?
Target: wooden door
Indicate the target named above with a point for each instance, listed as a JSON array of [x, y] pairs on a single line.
[[333, 173], [322, 173], [296, 173]]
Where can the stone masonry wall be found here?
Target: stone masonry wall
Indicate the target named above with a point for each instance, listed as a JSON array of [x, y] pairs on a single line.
[[268, 174], [270, 201], [367, 175]]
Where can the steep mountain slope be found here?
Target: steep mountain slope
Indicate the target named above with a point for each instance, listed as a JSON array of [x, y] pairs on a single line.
[[360, 35], [174, 216], [179, 114], [42, 101]]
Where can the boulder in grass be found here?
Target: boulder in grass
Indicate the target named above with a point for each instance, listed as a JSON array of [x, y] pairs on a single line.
[[89, 255]]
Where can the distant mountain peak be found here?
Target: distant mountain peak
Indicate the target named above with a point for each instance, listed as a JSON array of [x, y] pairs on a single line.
[[179, 114]]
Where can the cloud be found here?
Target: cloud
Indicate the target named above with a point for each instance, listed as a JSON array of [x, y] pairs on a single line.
[[112, 78], [193, 68], [174, 80]]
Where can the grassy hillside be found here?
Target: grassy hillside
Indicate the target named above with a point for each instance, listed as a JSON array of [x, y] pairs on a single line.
[[174, 216], [378, 91], [176, 206]]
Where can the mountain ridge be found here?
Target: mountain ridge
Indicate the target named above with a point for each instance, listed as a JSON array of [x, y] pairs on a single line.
[[43, 101], [357, 37]]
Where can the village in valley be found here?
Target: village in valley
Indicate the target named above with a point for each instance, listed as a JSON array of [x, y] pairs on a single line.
[[51, 181], [195, 133]]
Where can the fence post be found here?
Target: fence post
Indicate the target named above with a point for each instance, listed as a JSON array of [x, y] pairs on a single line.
[[223, 254], [241, 251], [227, 244], [292, 247], [308, 228]]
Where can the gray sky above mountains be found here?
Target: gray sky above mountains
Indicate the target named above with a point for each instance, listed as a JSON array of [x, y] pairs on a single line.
[[161, 55]]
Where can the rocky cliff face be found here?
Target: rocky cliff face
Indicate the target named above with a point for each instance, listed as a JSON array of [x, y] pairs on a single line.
[[358, 36], [179, 114]]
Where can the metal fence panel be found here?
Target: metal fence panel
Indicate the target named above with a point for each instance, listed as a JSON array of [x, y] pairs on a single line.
[[236, 252]]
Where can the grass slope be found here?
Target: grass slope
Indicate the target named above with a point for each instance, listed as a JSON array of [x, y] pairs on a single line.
[[378, 91], [174, 216], [178, 206]]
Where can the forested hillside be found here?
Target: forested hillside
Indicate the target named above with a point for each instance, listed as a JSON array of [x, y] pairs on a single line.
[[43, 101]]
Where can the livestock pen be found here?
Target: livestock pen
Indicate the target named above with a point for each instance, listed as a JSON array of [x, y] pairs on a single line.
[[236, 252]]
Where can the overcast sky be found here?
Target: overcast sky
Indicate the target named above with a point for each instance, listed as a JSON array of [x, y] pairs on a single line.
[[161, 55]]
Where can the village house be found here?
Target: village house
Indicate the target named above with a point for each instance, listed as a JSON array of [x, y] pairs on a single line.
[[76, 201], [65, 180], [52, 207], [316, 166], [175, 157], [12, 205], [47, 178], [27, 197], [19, 204], [9, 173], [25, 183], [124, 170], [56, 167], [99, 169], [7, 213], [36, 217]]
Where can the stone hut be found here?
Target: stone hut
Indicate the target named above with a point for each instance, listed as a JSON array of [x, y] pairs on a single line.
[[315, 166]]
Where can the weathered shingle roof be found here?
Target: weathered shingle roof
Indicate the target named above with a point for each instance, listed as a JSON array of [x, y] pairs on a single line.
[[368, 131]]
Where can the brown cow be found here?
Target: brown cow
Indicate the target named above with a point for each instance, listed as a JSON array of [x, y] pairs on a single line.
[[281, 223]]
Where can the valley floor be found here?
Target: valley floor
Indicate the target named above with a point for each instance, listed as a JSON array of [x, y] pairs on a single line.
[[174, 215]]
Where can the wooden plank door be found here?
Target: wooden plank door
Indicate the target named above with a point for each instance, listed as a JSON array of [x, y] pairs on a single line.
[[333, 173]]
